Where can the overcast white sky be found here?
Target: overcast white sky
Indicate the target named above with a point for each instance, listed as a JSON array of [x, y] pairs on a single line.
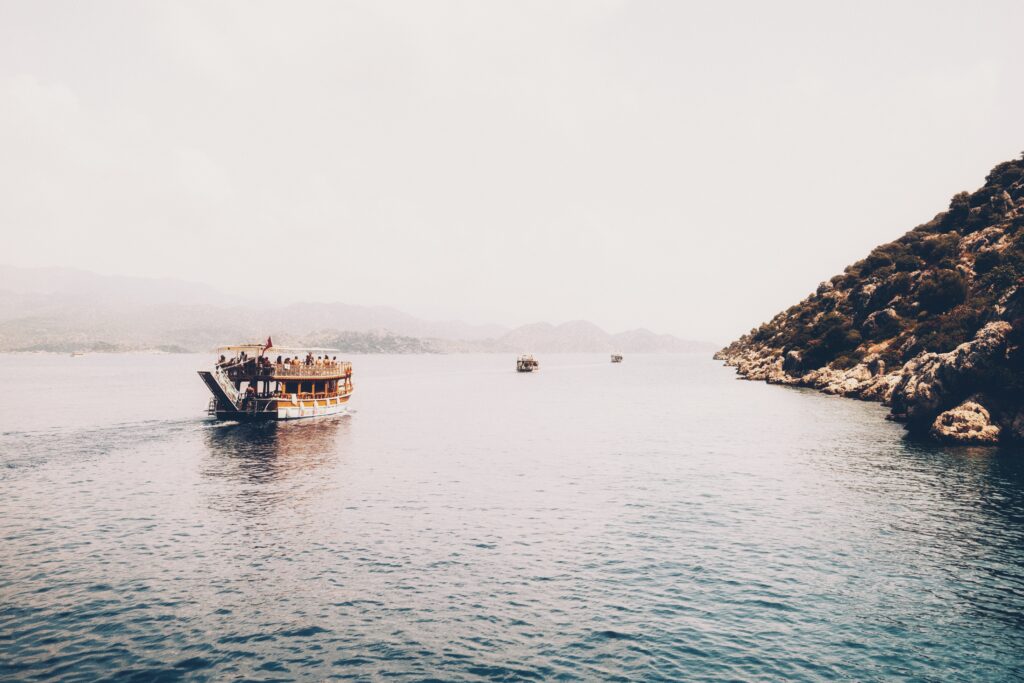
[[688, 167]]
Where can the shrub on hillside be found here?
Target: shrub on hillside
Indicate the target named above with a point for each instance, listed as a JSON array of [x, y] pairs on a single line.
[[908, 263], [830, 337], [844, 281], [1005, 174], [879, 258], [942, 290], [1000, 278], [844, 362], [897, 285], [945, 332], [938, 247], [987, 260]]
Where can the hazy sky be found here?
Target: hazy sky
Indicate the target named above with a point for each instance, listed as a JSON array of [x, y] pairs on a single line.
[[688, 167]]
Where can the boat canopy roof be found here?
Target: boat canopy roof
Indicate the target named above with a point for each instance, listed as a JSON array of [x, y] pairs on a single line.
[[302, 349], [242, 347], [260, 348]]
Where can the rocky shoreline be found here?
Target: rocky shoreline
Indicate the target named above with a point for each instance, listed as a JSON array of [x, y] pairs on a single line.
[[917, 393], [931, 325]]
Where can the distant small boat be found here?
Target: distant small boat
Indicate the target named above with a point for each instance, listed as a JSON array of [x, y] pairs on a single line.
[[75, 354], [526, 363], [616, 357]]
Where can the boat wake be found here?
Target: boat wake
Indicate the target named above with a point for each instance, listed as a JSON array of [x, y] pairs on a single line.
[[28, 449]]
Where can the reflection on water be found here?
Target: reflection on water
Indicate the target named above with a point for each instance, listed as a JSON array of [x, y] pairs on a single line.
[[254, 461], [259, 452]]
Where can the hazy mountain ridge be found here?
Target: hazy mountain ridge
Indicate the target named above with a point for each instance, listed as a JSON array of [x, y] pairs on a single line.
[[580, 335], [931, 324], [58, 309], [60, 288]]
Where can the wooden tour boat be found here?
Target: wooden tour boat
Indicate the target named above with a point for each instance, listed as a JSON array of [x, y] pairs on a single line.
[[616, 357], [248, 384], [526, 363]]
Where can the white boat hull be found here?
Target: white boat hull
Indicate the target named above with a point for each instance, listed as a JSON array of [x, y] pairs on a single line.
[[318, 408]]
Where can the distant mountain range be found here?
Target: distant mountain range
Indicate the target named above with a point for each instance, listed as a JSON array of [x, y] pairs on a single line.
[[63, 309], [580, 335]]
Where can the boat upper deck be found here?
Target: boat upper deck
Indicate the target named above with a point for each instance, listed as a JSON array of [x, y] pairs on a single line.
[[334, 369], [265, 369], [254, 362]]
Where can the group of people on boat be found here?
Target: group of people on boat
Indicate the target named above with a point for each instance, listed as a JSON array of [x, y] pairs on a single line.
[[240, 357], [287, 363], [308, 361]]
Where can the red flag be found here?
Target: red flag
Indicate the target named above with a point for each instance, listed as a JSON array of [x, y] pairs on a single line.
[[269, 344]]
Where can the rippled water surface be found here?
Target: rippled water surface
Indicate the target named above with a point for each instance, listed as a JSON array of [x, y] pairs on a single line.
[[650, 520]]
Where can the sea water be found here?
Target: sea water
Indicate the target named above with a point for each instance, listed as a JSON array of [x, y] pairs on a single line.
[[655, 519]]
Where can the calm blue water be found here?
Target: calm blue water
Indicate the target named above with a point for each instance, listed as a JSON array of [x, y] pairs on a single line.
[[651, 520]]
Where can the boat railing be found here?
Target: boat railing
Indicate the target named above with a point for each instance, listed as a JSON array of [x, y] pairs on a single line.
[[296, 369], [302, 370], [306, 395]]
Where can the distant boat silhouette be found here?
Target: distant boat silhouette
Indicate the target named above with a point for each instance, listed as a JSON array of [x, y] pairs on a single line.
[[527, 363]]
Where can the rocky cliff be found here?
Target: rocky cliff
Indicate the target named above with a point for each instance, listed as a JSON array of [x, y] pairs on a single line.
[[931, 324]]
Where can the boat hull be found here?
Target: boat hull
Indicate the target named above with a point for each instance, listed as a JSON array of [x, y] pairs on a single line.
[[287, 409]]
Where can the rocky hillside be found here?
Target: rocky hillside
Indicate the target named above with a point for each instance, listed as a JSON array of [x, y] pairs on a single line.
[[931, 324]]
